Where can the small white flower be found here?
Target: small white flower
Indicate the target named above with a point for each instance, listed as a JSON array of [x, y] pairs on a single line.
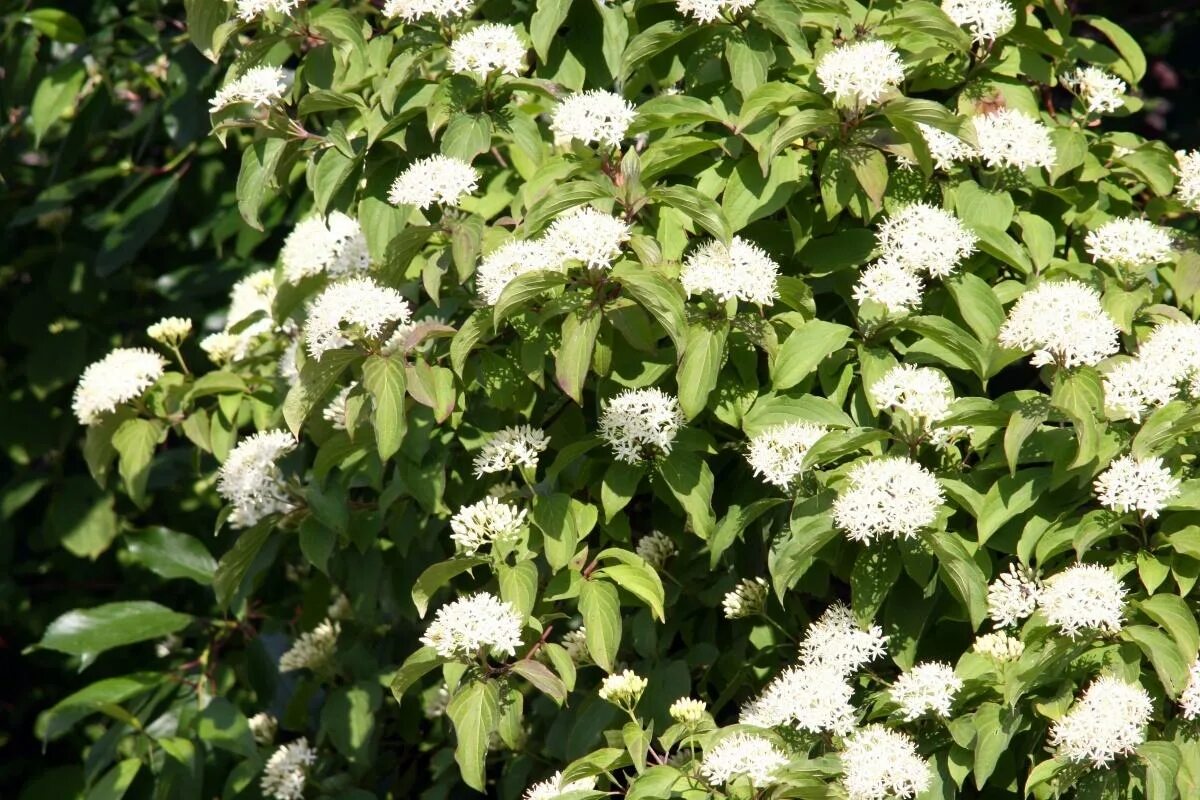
[[398, 342], [640, 424], [838, 641], [251, 481], [223, 347], [1063, 322], [741, 271], [170, 330], [704, 11], [263, 727], [1131, 244], [575, 643], [509, 261], [433, 180], [927, 688], [1101, 91], [335, 246], [923, 238], [985, 20], [878, 763], [588, 236], [860, 73], [287, 366], [247, 10], [313, 649], [746, 599], [946, 149], [592, 116], [122, 375], [1013, 596], [999, 646], [655, 548], [923, 393], [412, 10], [1129, 484], [887, 497], [1109, 720], [518, 446], [1012, 138], [623, 688], [463, 627], [487, 522], [1084, 597], [358, 303], [258, 86], [286, 771], [1189, 701], [890, 285], [337, 411], [1187, 188], [743, 754], [488, 48], [687, 711], [814, 698], [250, 296], [339, 607], [553, 786], [776, 453], [1169, 357]]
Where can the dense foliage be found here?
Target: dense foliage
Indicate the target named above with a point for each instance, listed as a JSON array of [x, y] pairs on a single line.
[[789, 398]]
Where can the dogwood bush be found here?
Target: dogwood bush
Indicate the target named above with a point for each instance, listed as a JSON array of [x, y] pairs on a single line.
[[790, 398]]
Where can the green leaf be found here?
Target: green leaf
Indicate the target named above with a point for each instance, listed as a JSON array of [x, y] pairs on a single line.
[[1161, 651], [1025, 420], [116, 781], [234, 565], [475, 711], [519, 585], [522, 290], [659, 296], [695, 206], [383, 378], [998, 244], [171, 554], [966, 350], [637, 741], [656, 39], [349, 717], [700, 366], [574, 356], [257, 176], [222, 725], [961, 572], [559, 199], [601, 610], [793, 127], [1008, 497], [564, 522], [477, 328], [438, 575], [1163, 762], [995, 727], [791, 557], [1172, 613], [1126, 45], [542, 678], [333, 172], [640, 580], [544, 25], [875, 572], [55, 96], [690, 481], [108, 692], [57, 24], [135, 441], [413, 669], [317, 377], [618, 486], [804, 349], [433, 387], [89, 632], [467, 136], [736, 520]]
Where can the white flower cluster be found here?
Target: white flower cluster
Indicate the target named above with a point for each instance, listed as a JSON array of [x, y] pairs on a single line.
[[1189, 700], [1169, 358], [1012, 138], [1108, 721], [741, 271], [1083, 597], [251, 481], [999, 646], [170, 330], [258, 86], [338, 411], [469, 624], [623, 688], [815, 698], [263, 727], [887, 497], [704, 11], [313, 649], [433, 180], [878, 763], [1013, 596], [247, 10], [286, 771], [1101, 91], [488, 522], [985, 20], [592, 116], [360, 303], [837, 640], [1142, 485], [334, 246], [575, 643], [743, 754], [412, 10], [553, 786], [488, 48], [122, 375], [510, 260], [890, 285], [927, 688], [924, 393], [945, 148], [655, 548], [1187, 188], [687, 711], [860, 73], [518, 446], [252, 296], [1130, 244], [640, 424], [746, 599], [924, 238], [776, 453], [1063, 322]]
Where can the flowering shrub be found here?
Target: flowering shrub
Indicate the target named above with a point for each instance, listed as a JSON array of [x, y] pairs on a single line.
[[739, 399]]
